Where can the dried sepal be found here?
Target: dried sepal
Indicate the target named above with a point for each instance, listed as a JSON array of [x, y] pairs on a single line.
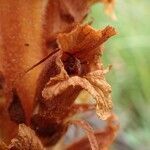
[[89, 132], [26, 139]]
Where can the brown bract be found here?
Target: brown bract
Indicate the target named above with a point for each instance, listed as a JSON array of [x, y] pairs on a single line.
[[25, 140], [82, 48]]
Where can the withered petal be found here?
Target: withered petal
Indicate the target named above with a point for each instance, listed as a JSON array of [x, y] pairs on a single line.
[[85, 43], [104, 103]]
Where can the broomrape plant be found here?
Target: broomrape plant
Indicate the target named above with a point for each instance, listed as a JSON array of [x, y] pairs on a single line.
[[47, 57]]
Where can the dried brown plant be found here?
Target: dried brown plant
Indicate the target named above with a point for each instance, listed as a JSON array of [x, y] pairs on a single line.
[[47, 57]]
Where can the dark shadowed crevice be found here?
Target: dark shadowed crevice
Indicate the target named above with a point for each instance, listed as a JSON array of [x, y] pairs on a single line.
[[16, 111]]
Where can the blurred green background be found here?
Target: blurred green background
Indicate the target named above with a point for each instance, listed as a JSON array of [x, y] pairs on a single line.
[[129, 53]]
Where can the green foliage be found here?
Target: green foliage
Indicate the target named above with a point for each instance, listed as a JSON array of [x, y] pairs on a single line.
[[129, 52]]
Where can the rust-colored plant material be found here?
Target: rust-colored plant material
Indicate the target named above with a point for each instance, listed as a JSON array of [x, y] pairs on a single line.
[[47, 57]]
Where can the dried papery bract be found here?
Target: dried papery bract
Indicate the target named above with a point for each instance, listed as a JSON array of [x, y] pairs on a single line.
[[26, 140]]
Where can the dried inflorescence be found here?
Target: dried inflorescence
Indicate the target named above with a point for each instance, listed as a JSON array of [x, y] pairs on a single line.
[[43, 98]]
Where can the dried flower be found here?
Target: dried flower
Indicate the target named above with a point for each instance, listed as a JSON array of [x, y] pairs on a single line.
[[75, 67], [84, 47]]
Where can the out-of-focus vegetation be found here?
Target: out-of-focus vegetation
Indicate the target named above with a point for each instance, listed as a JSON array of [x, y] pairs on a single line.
[[129, 52]]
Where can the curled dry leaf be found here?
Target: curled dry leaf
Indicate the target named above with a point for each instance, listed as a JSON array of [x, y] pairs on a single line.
[[80, 49]]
